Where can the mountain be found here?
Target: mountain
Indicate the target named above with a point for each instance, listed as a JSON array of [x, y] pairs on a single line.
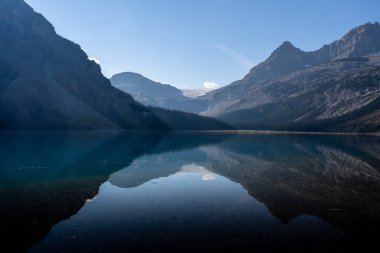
[[151, 93], [360, 41], [145, 90], [337, 96], [335, 88], [48, 82]]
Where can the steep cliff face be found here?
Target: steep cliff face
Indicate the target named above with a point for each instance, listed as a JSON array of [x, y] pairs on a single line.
[[360, 41], [47, 82]]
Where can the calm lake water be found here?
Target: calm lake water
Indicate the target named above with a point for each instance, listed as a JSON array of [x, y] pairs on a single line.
[[142, 192]]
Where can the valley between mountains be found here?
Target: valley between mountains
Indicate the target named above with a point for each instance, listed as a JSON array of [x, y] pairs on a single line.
[[47, 82]]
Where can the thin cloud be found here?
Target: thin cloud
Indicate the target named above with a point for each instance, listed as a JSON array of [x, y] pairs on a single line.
[[210, 85], [240, 59]]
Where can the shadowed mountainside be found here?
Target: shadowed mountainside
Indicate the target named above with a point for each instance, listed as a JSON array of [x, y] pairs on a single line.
[[47, 82]]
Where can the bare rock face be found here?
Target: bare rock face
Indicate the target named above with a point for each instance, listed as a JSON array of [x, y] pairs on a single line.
[[337, 96], [360, 41], [335, 88], [285, 59]]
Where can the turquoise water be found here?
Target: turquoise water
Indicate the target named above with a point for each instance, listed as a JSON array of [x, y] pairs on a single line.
[[144, 192]]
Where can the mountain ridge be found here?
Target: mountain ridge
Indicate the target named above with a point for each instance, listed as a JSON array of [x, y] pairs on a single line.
[[244, 100], [53, 83], [344, 47], [48, 83]]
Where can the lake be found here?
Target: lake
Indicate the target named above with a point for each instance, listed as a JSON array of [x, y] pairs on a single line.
[[188, 192]]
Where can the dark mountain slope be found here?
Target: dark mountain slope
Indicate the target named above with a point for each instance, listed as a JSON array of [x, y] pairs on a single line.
[[48, 82]]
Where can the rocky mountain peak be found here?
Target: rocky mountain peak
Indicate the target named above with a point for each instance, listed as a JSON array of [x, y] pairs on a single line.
[[286, 49], [286, 46], [286, 58], [360, 41], [367, 27]]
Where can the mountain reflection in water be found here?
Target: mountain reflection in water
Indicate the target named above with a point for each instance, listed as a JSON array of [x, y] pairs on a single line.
[[98, 192]]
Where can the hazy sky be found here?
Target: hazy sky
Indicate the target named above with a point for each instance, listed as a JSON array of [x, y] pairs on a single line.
[[188, 43]]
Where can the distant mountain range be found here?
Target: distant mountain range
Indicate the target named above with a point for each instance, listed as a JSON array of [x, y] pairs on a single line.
[[151, 93], [335, 88], [48, 82], [147, 91]]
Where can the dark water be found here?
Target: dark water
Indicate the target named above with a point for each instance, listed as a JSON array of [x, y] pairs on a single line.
[[141, 192]]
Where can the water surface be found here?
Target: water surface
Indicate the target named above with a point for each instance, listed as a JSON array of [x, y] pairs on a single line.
[[144, 192]]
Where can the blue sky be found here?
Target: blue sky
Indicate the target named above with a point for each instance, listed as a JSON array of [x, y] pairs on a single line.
[[188, 43]]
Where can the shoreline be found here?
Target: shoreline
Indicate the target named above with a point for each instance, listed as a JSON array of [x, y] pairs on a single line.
[[231, 132], [274, 132]]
